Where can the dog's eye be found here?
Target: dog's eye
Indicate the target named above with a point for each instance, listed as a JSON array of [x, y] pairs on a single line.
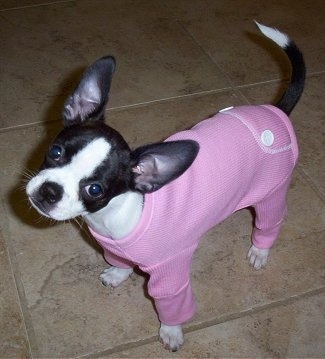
[[55, 152], [94, 190]]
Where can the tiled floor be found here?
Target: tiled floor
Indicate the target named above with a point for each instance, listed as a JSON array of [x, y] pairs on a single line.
[[179, 61]]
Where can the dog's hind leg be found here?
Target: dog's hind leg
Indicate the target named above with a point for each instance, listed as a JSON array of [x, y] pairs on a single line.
[[270, 213]]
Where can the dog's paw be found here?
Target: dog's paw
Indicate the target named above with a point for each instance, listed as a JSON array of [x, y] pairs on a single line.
[[257, 257], [171, 336], [113, 276]]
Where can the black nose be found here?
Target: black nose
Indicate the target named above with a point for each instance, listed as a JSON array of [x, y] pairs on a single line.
[[50, 192]]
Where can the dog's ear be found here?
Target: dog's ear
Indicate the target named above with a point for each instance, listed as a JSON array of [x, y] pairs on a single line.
[[89, 100], [155, 165]]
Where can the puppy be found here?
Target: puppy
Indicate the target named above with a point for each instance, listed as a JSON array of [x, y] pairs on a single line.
[[150, 207]]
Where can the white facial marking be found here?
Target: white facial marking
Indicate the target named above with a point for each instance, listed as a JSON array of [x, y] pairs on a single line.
[[82, 165]]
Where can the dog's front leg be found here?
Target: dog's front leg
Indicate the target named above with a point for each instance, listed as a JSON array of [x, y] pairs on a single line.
[[171, 336], [113, 276], [257, 257]]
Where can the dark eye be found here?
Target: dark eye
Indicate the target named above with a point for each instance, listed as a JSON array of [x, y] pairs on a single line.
[[55, 152], [94, 190]]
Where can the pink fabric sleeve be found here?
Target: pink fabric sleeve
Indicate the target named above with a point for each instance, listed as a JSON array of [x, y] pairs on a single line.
[[170, 287], [270, 213], [177, 308], [265, 238], [116, 261]]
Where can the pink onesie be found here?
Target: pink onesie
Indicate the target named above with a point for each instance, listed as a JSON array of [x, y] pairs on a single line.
[[246, 158]]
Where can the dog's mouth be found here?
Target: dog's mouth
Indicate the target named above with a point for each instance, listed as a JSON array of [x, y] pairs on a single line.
[[54, 204], [40, 206]]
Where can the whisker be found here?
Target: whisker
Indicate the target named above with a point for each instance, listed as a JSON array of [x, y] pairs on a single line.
[[28, 174], [80, 223]]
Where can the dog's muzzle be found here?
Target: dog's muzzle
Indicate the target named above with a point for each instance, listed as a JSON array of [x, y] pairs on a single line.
[[46, 197]]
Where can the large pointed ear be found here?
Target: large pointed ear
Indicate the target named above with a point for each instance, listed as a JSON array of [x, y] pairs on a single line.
[[89, 100], [158, 164]]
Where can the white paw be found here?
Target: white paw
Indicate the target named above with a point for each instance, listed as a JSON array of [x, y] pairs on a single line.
[[171, 336], [114, 276], [257, 257]]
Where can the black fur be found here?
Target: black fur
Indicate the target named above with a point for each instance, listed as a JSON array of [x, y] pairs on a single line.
[[156, 165], [114, 175], [297, 81]]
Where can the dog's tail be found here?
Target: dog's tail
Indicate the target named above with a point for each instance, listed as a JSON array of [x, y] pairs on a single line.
[[292, 94]]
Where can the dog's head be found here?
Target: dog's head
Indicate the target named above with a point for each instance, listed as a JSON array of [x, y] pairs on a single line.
[[89, 163]]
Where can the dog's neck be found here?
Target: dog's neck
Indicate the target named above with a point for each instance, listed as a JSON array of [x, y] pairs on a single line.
[[119, 217]]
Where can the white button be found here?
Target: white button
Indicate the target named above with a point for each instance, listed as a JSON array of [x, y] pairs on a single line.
[[267, 138], [226, 109]]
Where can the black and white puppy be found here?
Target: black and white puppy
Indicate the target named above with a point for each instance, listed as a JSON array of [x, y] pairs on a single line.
[[90, 171]]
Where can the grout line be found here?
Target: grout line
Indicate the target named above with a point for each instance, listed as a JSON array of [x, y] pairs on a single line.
[[196, 42], [148, 103], [255, 310], [171, 98], [21, 299], [309, 181], [127, 107], [316, 73], [209, 56], [36, 5], [236, 89], [210, 323]]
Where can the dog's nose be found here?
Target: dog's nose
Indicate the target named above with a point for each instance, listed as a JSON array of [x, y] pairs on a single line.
[[50, 192]]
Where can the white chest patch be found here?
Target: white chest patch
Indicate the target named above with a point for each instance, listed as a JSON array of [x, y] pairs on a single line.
[[82, 165]]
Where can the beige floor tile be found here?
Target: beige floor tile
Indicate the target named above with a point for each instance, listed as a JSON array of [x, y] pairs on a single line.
[[68, 309], [226, 31], [52, 303], [13, 339], [309, 122], [146, 124], [45, 49], [288, 331]]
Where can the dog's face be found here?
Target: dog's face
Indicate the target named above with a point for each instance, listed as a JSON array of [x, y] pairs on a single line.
[[89, 163], [84, 168]]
